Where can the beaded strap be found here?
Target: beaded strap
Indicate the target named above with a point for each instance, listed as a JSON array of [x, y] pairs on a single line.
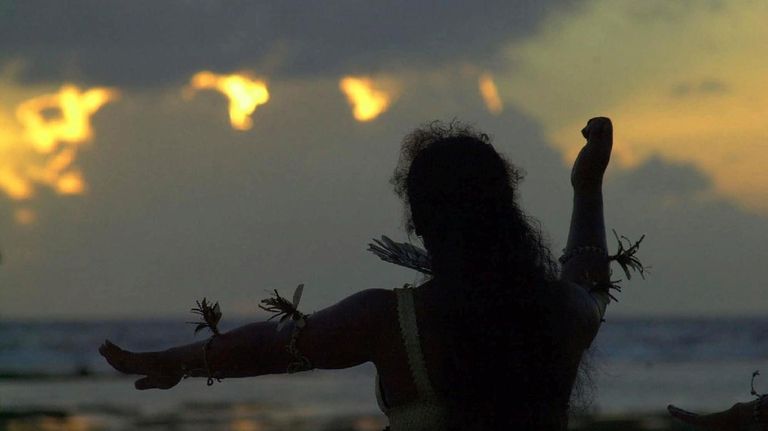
[[582, 250], [406, 312]]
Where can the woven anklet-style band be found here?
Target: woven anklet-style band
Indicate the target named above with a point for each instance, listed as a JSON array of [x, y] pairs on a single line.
[[582, 250]]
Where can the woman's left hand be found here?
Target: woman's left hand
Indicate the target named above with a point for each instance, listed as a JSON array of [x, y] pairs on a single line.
[[590, 165], [160, 371]]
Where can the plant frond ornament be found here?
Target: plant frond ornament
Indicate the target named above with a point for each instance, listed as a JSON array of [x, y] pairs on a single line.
[[626, 257], [211, 316], [410, 256], [402, 254], [286, 311]]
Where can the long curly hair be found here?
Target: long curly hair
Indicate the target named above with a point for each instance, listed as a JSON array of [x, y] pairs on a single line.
[[504, 320]]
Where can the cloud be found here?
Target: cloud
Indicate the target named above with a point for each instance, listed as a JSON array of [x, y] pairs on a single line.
[[686, 89], [180, 206], [684, 81], [704, 252], [146, 42]]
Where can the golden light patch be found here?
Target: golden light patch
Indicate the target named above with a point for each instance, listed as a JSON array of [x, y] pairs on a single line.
[[24, 216], [70, 121], [244, 93], [490, 94], [367, 98], [685, 82], [245, 424], [40, 141]]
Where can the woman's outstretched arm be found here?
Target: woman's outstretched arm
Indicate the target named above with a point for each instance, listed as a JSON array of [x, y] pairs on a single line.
[[585, 255], [340, 336]]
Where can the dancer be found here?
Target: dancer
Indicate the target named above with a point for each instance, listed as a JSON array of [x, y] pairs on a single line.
[[492, 340]]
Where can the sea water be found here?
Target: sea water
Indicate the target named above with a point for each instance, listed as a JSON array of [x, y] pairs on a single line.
[[639, 365]]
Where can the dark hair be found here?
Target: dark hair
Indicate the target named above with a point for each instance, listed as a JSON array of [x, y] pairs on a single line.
[[505, 322]]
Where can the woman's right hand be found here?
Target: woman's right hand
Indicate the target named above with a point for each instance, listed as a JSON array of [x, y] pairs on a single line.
[[740, 417], [160, 371], [590, 165]]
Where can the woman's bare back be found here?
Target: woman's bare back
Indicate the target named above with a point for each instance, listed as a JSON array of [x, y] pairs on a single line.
[[395, 376]]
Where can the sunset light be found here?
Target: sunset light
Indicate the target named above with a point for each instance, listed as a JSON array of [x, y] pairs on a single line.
[[244, 93], [71, 120], [688, 99], [42, 145], [490, 94], [367, 102]]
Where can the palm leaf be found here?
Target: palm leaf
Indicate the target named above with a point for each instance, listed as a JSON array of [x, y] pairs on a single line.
[[401, 253]]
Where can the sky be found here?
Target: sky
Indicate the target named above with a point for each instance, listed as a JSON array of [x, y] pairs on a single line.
[[153, 153]]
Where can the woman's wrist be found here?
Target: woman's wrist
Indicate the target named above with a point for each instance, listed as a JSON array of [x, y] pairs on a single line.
[[186, 360], [590, 186]]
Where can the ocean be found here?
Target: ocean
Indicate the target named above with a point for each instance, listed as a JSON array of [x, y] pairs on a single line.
[[51, 371]]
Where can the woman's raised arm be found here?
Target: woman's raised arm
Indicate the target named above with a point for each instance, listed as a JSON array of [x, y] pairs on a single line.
[[585, 259], [340, 336]]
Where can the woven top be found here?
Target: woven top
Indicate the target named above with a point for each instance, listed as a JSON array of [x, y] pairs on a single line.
[[428, 411]]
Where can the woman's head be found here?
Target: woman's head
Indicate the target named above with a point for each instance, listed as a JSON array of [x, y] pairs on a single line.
[[460, 195], [450, 174]]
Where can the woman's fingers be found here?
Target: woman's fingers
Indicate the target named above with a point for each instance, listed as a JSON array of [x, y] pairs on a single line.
[[145, 383], [116, 357], [125, 361], [156, 382], [721, 421], [599, 135], [590, 165], [684, 415], [598, 129], [149, 364]]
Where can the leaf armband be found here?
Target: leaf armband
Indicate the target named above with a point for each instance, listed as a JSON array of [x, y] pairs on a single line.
[[211, 315], [626, 258], [286, 310]]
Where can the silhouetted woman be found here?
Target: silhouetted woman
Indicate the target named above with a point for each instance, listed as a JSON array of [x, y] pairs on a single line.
[[493, 340]]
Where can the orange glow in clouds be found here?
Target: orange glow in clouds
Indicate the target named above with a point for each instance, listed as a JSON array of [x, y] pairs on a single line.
[[687, 87], [367, 101], [44, 148], [25, 216], [490, 94], [244, 93]]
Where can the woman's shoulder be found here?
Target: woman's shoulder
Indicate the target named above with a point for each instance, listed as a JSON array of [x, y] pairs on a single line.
[[373, 300]]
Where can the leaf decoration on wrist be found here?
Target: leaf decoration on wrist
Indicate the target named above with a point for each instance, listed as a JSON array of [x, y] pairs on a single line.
[[284, 309], [401, 253], [626, 258], [288, 310], [210, 314]]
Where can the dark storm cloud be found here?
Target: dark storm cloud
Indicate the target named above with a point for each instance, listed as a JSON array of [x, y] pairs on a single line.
[[154, 42]]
